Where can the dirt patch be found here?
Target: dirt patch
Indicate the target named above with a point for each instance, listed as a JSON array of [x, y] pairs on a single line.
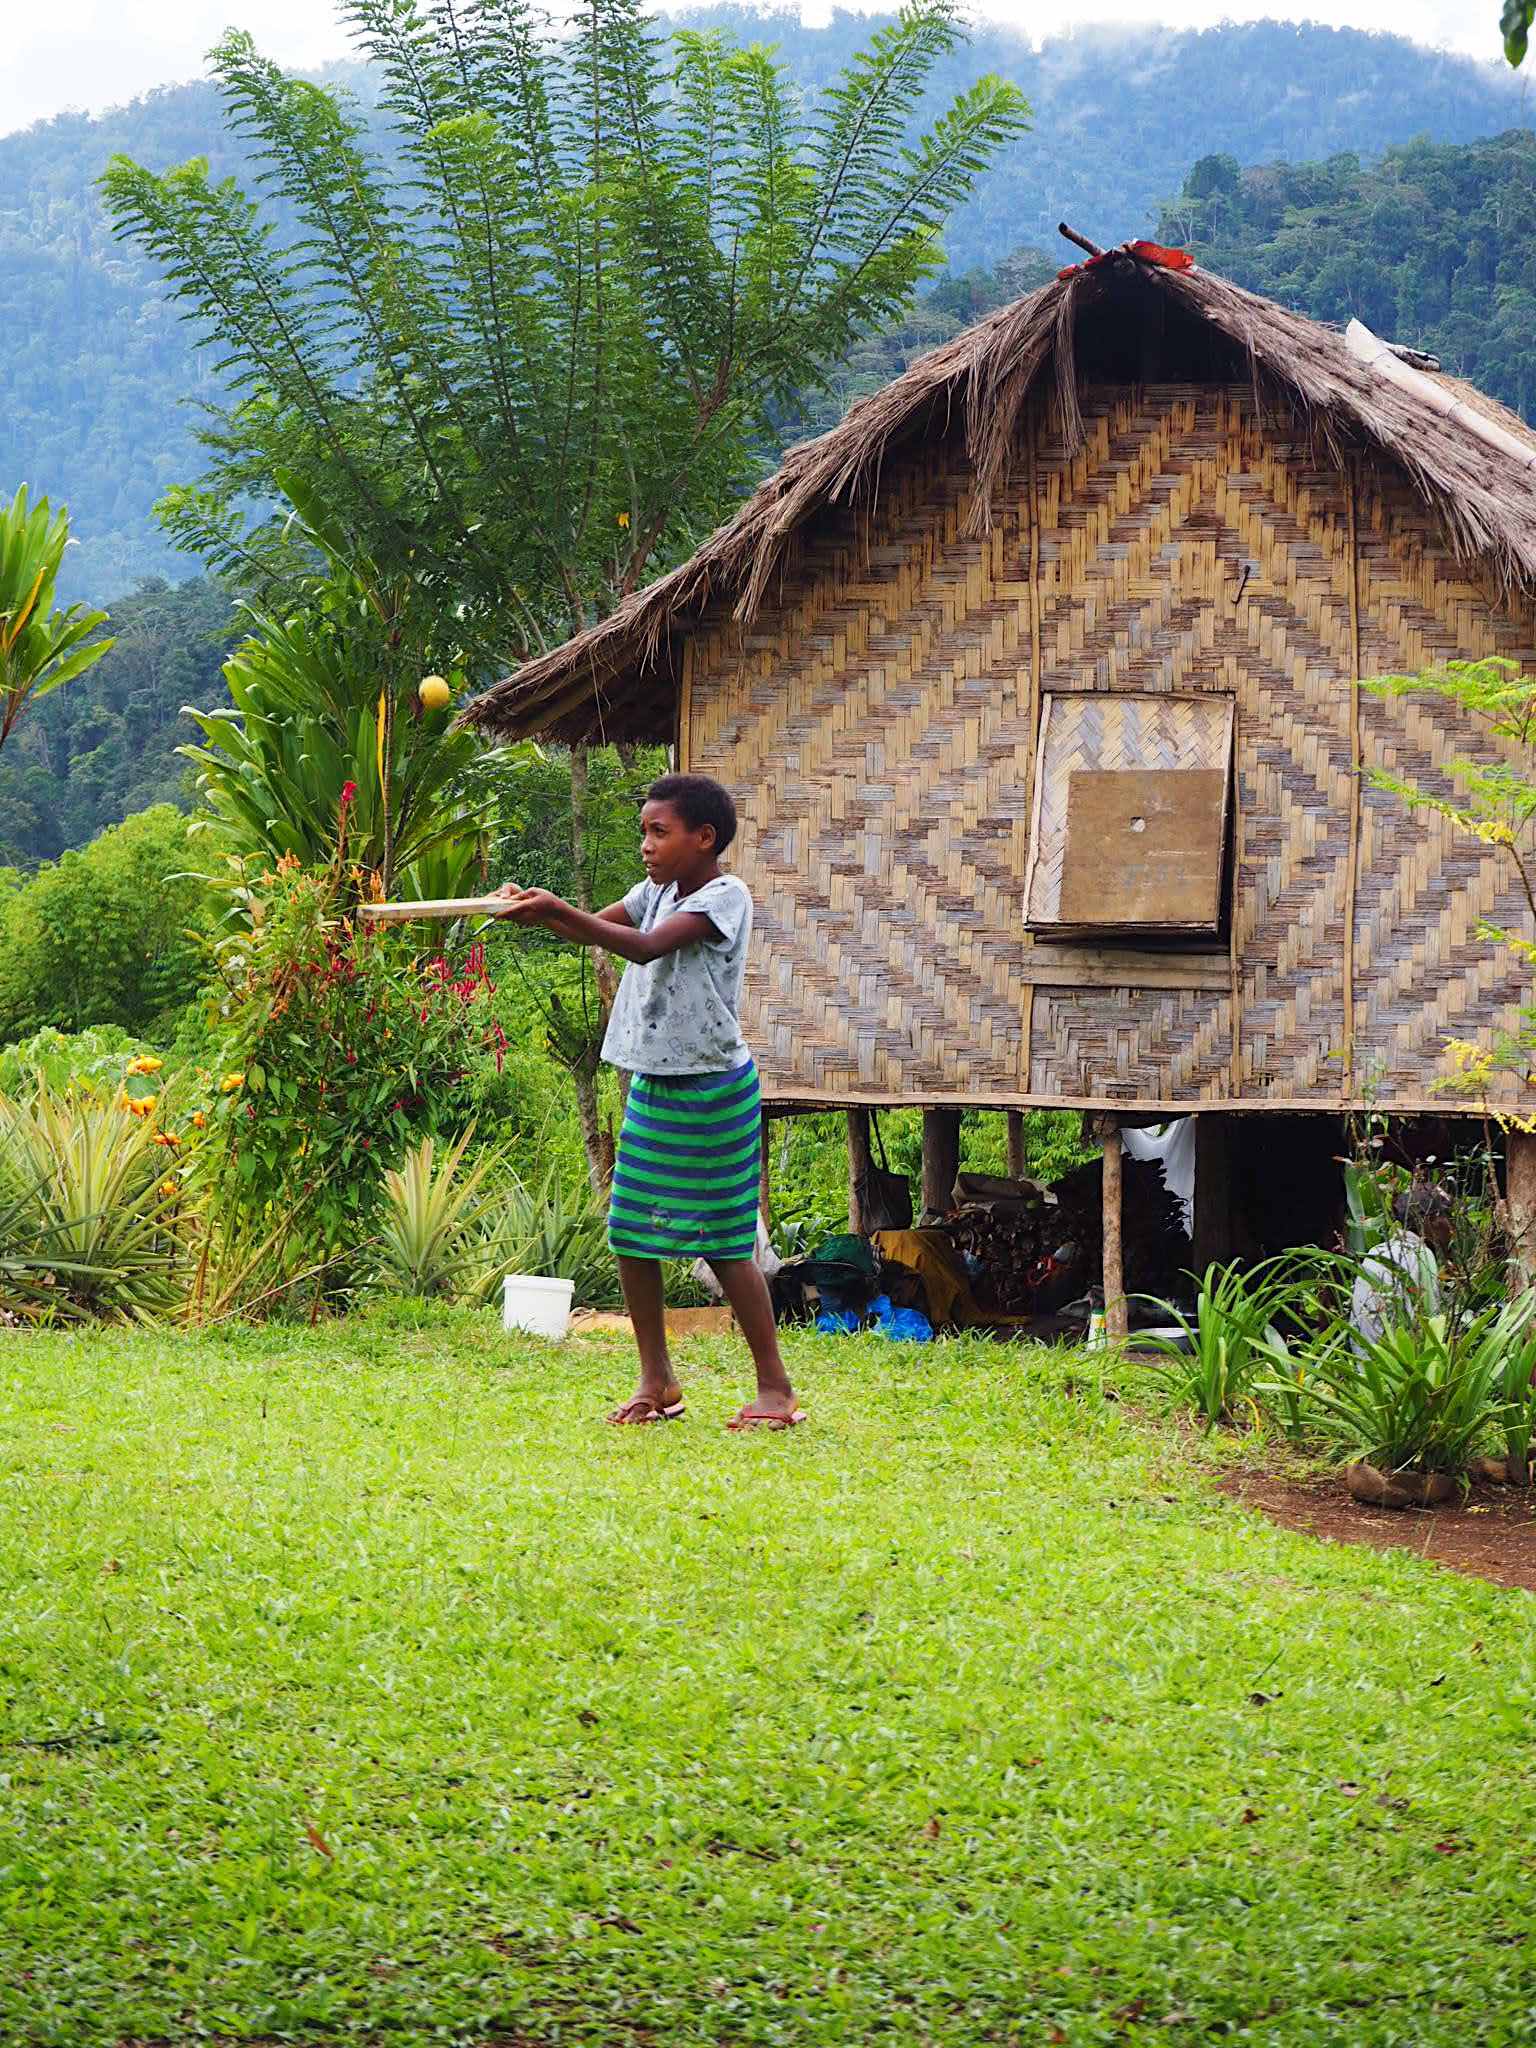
[[1491, 1535]]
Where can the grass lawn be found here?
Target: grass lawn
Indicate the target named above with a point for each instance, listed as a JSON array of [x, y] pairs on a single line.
[[359, 1686]]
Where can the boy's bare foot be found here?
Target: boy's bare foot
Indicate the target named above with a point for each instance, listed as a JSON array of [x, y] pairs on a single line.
[[662, 1404]]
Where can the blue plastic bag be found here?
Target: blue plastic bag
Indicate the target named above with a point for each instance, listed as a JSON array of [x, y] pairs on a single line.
[[841, 1322]]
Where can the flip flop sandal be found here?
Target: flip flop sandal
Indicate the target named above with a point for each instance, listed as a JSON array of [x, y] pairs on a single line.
[[758, 1418], [639, 1411]]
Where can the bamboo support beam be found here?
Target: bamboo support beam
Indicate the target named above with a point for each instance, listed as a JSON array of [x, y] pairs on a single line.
[[1351, 878], [1027, 1022]]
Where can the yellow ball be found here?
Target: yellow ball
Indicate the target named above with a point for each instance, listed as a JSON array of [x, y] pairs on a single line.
[[434, 693]]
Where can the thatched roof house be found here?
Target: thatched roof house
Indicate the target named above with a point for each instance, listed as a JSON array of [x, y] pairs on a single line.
[[1035, 679]]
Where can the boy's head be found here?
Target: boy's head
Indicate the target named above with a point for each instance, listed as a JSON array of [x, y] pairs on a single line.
[[686, 823]]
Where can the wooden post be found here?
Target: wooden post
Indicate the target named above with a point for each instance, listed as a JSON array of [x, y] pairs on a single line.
[[765, 1173], [858, 1167], [941, 1159], [1018, 1150], [1212, 1234], [1520, 1208], [1116, 1309]]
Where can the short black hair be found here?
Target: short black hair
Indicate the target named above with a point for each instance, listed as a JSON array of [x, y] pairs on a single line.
[[698, 800]]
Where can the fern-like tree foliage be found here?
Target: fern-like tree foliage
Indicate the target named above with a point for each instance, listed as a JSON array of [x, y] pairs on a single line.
[[528, 334], [1515, 27]]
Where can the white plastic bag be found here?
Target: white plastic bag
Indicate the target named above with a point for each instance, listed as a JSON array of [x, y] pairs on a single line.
[[765, 1258]]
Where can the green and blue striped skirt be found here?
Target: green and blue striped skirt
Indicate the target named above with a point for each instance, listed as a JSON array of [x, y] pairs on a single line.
[[685, 1183]]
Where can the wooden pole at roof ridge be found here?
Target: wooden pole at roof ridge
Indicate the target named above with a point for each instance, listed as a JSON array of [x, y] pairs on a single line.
[[1081, 241]]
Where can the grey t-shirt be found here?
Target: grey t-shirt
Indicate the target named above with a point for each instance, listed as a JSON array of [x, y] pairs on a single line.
[[677, 1015]]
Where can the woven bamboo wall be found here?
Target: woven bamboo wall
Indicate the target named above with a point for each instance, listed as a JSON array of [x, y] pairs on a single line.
[[877, 727]]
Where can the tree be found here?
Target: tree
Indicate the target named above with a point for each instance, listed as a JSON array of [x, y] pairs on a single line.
[[540, 353], [1515, 27], [106, 936], [540, 350], [40, 648], [328, 749]]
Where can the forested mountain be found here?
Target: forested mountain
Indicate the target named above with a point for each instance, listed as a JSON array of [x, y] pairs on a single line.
[[1435, 246], [1432, 246], [96, 367]]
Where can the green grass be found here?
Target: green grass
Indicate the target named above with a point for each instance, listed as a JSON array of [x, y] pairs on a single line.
[[932, 1723]]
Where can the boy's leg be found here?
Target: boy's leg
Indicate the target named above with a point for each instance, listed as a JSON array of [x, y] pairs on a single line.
[[646, 1301], [747, 1292]]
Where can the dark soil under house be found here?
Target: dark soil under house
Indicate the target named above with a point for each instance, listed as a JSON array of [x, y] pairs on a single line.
[[1491, 1535]]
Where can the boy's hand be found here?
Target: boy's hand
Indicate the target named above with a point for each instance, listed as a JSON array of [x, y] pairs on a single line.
[[528, 906]]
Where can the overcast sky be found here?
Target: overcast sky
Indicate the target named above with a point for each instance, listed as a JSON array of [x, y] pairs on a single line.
[[93, 54]]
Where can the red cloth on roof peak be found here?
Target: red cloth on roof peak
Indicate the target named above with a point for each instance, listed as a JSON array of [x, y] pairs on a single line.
[[1145, 252]]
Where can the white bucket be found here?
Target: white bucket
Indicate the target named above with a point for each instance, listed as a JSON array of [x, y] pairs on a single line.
[[540, 1307]]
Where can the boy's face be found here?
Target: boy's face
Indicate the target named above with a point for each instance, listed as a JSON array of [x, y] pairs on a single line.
[[669, 847]]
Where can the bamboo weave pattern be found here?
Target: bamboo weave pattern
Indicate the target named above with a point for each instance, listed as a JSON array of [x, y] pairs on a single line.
[[874, 726]]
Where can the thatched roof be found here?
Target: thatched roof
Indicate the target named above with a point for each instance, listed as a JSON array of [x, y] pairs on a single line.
[[618, 679]]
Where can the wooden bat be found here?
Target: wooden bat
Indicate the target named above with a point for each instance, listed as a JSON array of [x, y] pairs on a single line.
[[440, 907]]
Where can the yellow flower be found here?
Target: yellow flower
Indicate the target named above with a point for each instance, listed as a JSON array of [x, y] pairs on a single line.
[[166, 1189], [623, 522], [140, 1105], [230, 1083], [144, 1065]]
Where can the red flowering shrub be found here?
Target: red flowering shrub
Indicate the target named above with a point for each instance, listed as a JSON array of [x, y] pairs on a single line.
[[344, 1048]]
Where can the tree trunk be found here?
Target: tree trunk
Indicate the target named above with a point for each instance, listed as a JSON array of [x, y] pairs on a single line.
[[858, 1167], [386, 754], [1116, 1308], [1018, 1150], [1520, 1208], [596, 1137], [941, 1159]]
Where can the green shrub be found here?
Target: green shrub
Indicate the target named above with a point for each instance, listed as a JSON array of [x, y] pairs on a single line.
[[435, 1232], [1514, 1394], [95, 1059], [93, 1208], [1236, 1313], [1418, 1397], [561, 1235], [339, 1048], [109, 935]]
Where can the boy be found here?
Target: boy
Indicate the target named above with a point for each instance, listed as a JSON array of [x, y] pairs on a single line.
[[686, 1181]]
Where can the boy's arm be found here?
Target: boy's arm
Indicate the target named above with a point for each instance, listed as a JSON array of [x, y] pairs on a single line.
[[610, 928]]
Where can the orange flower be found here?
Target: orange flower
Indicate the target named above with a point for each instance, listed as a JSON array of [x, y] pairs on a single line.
[[167, 1189], [199, 1120], [144, 1065], [140, 1105], [230, 1083], [167, 1138]]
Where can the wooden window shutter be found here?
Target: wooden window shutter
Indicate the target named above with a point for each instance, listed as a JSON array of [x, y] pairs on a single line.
[[1133, 795]]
